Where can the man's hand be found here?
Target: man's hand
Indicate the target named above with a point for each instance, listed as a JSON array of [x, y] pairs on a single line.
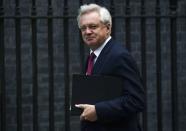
[[89, 112]]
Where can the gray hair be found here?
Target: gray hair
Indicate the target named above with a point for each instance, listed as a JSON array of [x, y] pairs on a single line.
[[102, 11]]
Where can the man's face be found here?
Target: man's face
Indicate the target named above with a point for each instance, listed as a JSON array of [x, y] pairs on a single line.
[[94, 32]]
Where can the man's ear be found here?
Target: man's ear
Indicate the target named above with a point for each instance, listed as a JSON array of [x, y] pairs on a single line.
[[108, 26]]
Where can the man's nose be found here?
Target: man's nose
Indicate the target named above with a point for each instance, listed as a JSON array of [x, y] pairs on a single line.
[[88, 30]]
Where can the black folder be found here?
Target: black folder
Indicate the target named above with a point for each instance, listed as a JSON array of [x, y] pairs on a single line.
[[93, 89]]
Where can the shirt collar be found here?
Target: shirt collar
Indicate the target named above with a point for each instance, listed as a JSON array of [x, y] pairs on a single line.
[[98, 50]]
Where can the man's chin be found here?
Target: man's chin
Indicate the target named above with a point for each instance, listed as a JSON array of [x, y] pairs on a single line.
[[90, 43]]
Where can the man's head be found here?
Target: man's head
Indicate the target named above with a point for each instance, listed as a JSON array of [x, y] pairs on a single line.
[[95, 23]]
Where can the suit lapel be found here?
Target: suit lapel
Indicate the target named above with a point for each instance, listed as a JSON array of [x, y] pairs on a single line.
[[102, 58]]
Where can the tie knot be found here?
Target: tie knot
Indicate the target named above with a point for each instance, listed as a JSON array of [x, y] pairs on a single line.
[[92, 56]]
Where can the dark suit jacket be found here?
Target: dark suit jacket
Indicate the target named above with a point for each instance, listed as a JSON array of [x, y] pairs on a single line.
[[120, 114]]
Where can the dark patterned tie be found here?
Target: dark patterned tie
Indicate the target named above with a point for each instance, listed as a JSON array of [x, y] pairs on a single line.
[[91, 58]]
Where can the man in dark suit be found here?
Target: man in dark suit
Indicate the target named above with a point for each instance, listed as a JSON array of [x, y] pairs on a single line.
[[110, 58]]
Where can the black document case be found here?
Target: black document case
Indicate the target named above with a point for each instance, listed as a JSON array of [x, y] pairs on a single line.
[[93, 89]]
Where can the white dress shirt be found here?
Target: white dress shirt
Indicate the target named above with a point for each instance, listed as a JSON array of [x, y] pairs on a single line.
[[98, 50]]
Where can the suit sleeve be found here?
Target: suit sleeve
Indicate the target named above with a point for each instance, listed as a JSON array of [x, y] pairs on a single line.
[[132, 100]]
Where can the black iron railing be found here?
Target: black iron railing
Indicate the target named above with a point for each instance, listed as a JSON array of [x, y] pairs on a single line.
[[128, 16]]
